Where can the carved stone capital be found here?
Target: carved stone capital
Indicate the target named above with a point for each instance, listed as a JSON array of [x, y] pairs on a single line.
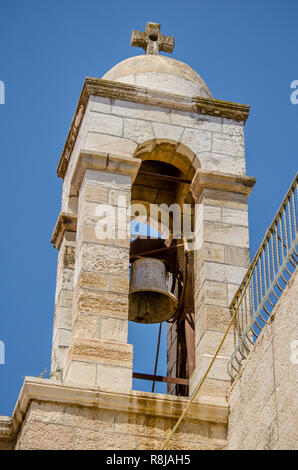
[[220, 181], [66, 222], [92, 160], [6, 431]]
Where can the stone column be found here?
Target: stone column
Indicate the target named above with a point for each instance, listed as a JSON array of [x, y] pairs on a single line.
[[63, 240], [99, 355], [220, 263]]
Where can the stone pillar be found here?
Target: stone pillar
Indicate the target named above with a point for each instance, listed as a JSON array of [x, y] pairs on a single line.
[[64, 240], [221, 259], [99, 355]]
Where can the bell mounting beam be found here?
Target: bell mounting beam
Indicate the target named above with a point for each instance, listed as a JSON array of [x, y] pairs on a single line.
[[176, 179], [160, 378]]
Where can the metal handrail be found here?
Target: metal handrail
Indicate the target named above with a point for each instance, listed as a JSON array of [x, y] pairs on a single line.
[[265, 280]]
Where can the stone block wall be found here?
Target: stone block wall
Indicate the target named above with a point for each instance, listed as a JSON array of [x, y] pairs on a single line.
[[221, 260], [263, 400], [99, 353], [53, 426], [118, 127]]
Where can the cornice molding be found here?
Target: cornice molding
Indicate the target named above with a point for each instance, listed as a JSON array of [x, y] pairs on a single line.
[[121, 91], [6, 431], [134, 402], [221, 181], [65, 222]]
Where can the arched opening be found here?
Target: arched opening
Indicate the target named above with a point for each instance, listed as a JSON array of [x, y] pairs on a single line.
[[162, 314]]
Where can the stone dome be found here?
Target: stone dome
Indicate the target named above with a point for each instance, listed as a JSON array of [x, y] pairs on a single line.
[[159, 72]]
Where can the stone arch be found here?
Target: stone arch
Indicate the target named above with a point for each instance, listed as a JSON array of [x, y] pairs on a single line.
[[171, 152], [167, 157]]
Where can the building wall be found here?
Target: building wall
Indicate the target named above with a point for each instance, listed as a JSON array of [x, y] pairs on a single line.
[[263, 400], [50, 425], [118, 127]]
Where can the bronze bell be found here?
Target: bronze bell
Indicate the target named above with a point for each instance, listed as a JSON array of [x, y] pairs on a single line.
[[149, 298]]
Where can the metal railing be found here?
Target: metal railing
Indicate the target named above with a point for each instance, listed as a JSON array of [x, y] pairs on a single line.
[[265, 280]]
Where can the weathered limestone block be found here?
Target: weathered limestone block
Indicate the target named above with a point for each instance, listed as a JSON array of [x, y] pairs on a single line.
[[109, 143], [223, 197], [228, 144], [105, 124], [99, 104], [102, 258], [209, 343], [212, 317], [236, 255], [95, 194], [166, 131], [104, 364], [87, 325], [104, 352], [197, 121], [224, 163], [81, 373], [227, 234], [114, 329], [263, 399], [137, 130], [88, 233], [141, 111], [101, 303], [59, 416], [212, 292], [196, 139], [232, 127], [234, 216], [223, 273], [214, 252]]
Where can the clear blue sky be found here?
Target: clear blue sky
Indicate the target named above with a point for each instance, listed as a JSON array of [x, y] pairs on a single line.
[[245, 50]]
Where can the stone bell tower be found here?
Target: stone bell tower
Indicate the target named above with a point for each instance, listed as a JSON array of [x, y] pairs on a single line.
[[148, 108], [149, 131]]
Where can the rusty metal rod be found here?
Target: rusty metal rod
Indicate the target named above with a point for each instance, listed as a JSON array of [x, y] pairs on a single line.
[[157, 354], [160, 378], [159, 176], [156, 250]]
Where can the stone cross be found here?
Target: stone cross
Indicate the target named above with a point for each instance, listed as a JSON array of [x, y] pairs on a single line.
[[152, 41]]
